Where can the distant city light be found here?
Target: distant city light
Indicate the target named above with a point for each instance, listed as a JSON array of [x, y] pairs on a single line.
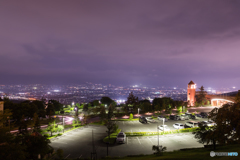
[[48, 92], [234, 87], [174, 88], [56, 90]]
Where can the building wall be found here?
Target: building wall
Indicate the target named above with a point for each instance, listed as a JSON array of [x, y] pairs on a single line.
[[1, 106], [191, 92]]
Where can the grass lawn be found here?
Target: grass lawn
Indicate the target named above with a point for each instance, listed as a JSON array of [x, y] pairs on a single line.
[[193, 154]]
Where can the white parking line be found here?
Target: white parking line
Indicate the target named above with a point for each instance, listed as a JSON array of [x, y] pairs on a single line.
[[138, 140], [150, 140], [67, 156], [127, 140]]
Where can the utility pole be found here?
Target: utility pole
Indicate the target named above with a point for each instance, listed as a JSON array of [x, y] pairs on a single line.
[[93, 153], [63, 123], [158, 135]]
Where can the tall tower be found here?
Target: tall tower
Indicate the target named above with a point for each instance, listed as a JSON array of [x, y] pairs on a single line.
[[191, 93], [1, 106]]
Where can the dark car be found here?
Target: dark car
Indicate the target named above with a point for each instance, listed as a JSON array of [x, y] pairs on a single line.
[[192, 116], [173, 117], [142, 119], [198, 115], [204, 114]]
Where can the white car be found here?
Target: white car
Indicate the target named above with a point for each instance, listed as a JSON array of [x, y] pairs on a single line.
[[206, 123], [191, 124], [150, 119], [164, 127], [178, 126], [121, 137]]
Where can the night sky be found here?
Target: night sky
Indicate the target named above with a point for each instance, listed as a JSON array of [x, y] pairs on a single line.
[[121, 42]]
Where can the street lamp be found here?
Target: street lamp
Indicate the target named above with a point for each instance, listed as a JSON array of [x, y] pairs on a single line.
[[163, 124], [63, 124], [138, 111]]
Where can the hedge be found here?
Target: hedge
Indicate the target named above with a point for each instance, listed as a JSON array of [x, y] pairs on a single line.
[[129, 134]]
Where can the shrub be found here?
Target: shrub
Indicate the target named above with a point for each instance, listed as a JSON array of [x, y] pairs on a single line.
[[46, 135], [131, 116]]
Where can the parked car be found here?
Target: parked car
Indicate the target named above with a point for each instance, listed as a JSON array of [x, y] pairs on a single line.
[[142, 119], [188, 114], [121, 137], [186, 117], [206, 123], [212, 122], [178, 126], [150, 119], [180, 117], [191, 124], [172, 117], [164, 128], [198, 115], [204, 114], [162, 117], [192, 117]]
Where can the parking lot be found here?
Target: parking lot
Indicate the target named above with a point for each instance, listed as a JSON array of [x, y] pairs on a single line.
[[136, 126], [78, 143]]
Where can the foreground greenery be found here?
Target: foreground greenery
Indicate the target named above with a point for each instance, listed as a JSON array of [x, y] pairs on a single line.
[[197, 153]]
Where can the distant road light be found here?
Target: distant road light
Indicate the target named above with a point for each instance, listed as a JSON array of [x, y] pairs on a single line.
[[234, 87]]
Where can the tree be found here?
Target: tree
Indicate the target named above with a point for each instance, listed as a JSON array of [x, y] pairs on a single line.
[[206, 134], [22, 129], [145, 105], [201, 97], [41, 108], [52, 127], [36, 144], [96, 103], [132, 102], [106, 100], [109, 123], [50, 110], [36, 123], [102, 114], [56, 105]]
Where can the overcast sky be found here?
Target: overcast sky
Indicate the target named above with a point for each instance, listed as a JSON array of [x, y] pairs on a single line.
[[121, 42]]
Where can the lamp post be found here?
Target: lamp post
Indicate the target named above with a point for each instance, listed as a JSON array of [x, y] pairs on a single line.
[[163, 124], [158, 135], [138, 111], [63, 124]]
